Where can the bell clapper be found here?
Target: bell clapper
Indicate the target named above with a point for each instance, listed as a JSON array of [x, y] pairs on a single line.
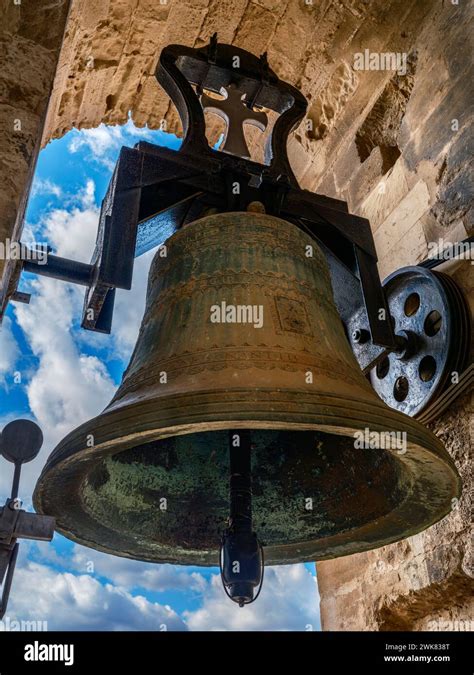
[[241, 554]]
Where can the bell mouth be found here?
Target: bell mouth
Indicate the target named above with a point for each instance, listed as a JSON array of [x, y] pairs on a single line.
[[175, 491], [163, 496]]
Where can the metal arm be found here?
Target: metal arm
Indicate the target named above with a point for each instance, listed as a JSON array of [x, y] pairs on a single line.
[[20, 442], [7, 565]]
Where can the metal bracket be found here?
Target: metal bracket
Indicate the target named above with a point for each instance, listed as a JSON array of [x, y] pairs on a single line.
[[214, 67], [20, 442]]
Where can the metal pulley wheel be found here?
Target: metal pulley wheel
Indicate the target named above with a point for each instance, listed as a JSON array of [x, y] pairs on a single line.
[[432, 321]]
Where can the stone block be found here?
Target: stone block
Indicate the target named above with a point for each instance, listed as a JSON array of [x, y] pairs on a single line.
[[387, 194]]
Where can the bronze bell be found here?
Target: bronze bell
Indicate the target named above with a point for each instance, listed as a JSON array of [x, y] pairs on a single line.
[[241, 332]]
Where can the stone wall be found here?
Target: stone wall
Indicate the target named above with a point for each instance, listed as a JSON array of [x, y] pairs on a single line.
[[424, 582], [30, 42], [395, 146]]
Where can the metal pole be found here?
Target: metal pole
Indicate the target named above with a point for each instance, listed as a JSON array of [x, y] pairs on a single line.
[[61, 268], [16, 480]]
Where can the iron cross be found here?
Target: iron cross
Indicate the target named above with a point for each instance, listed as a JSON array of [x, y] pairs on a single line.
[[235, 114]]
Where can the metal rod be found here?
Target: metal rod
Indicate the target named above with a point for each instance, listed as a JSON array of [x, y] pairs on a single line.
[[375, 300], [240, 481], [61, 268], [16, 480], [453, 253], [8, 581]]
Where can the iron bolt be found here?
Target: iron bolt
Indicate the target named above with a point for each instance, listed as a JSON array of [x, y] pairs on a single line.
[[360, 335]]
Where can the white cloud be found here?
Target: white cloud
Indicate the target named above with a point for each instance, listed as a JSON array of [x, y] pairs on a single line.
[[69, 602], [67, 383], [104, 142], [100, 142], [289, 601], [131, 574], [72, 233], [9, 350], [129, 308], [135, 573], [44, 186], [68, 387]]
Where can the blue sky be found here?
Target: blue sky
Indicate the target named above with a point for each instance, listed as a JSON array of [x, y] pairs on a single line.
[[68, 375]]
